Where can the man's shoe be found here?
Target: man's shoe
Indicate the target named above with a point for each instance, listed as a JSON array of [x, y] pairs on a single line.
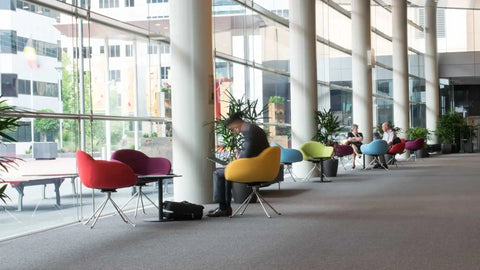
[[213, 210], [220, 213]]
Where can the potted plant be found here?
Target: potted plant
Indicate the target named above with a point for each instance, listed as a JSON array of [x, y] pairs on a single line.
[[7, 124], [327, 127], [446, 129], [229, 143], [419, 132], [45, 149]]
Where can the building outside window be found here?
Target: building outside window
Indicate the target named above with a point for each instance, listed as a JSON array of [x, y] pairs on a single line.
[[128, 50], [114, 51], [129, 3], [8, 41], [9, 85], [109, 3]]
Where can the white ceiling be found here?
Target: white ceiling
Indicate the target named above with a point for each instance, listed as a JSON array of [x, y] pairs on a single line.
[[464, 4]]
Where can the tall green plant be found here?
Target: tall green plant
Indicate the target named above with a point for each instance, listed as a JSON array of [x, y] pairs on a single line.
[[7, 124], [229, 141], [447, 126], [327, 126]]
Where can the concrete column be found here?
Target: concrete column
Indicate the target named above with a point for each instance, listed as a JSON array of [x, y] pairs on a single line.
[[303, 75], [192, 98], [362, 69], [400, 66], [431, 68]]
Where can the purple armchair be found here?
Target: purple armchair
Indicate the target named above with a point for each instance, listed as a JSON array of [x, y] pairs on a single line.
[[342, 150], [142, 165], [414, 146]]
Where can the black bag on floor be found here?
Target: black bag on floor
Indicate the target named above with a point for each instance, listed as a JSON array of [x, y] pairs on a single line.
[[182, 210]]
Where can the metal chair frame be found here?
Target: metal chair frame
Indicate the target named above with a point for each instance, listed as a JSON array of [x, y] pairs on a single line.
[[97, 213], [375, 160], [260, 198], [323, 177]]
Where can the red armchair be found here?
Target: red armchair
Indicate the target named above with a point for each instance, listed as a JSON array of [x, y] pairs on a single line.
[[106, 176], [398, 148], [142, 165]]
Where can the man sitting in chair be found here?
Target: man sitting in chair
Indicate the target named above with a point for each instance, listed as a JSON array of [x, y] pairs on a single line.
[[255, 141]]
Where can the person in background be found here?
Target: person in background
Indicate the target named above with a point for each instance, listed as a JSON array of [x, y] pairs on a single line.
[[388, 134], [354, 139], [390, 137], [255, 141]]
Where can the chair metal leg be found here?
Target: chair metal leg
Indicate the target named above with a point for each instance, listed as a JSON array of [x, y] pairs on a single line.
[[244, 203], [374, 160], [260, 199], [96, 215], [140, 194], [290, 171], [310, 173], [121, 213], [412, 155]]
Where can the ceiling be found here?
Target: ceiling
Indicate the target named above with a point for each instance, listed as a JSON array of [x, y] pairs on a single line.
[[463, 4]]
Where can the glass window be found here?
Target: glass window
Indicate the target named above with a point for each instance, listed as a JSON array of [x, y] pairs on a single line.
[[114, 51], [8, 41], [23, 132], [9, 85], [24, 87], [109, 3], [128, 50], [129, 3], [7, 4], [114, 75]]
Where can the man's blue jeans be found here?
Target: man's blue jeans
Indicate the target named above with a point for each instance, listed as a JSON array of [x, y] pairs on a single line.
[[222, 189]]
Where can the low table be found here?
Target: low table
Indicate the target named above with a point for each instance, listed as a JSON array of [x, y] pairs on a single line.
[[39, 179], [159, 178]]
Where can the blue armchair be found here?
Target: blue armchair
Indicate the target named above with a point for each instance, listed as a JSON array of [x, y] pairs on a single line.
[[375, 149], [289, 156]]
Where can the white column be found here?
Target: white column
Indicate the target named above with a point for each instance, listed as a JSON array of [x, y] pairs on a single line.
[[303, 75], [400, 66], [361, 69], [192, 98], [431, 68]]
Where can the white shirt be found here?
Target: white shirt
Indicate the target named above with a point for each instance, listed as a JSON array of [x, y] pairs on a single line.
[[388, 136]]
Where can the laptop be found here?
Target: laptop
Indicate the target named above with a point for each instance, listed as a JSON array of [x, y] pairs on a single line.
[[217, 160]]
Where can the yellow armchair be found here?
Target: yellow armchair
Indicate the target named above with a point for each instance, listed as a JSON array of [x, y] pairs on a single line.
[[255, 172]]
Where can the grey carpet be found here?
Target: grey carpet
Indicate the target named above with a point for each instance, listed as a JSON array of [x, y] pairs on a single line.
[[423, 215]]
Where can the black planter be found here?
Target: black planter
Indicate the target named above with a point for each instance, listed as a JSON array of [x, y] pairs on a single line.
[[240, 192], [421, 153], [446, 148], [468, 147], [330, 167]]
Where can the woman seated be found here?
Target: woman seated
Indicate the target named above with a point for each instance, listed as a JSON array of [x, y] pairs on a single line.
[[354, 139]]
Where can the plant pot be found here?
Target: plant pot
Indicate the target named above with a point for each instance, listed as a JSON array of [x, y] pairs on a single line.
[[421, 153], [44, 150], [455, 148], [446, 148], [330, 167], [240, 192], [468, 147]]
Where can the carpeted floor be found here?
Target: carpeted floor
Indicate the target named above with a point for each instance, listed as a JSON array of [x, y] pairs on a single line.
[[423, 215]]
